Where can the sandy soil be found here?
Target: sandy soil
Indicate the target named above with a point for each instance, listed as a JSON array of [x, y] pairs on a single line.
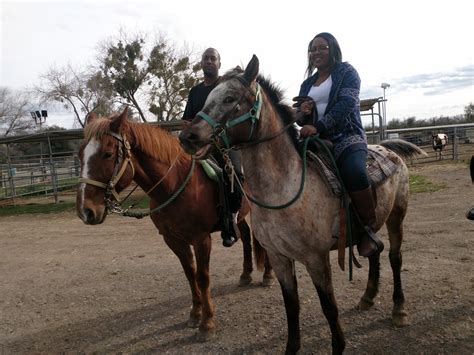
[[68, 287]]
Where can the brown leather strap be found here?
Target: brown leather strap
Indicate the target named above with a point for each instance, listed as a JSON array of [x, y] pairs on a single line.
[[341, 241]]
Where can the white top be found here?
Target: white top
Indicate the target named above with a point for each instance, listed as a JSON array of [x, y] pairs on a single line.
[[320, 95]]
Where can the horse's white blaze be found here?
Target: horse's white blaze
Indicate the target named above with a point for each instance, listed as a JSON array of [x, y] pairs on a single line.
[[91, 148]]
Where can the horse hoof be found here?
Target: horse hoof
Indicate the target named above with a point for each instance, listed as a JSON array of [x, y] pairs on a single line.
[[193, 322], [245, 281], [203, 336], [268, 281], [400, 319], [364, 304]]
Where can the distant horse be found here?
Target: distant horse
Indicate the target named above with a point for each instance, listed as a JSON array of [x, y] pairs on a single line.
[[439, 141], [116, 151], [250, 114]]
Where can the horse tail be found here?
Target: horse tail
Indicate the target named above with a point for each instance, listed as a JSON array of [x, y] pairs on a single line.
[[259, 254], [403, 148]]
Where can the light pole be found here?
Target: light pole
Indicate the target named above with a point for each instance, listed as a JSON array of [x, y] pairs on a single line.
[[384, 123], [39, 117]]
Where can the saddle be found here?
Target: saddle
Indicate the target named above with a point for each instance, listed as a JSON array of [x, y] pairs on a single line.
[[379, 168], [225, 205], [212, 170]]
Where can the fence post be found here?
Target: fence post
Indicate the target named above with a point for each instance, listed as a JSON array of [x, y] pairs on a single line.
[[54, 177], [11, 182], [455, 145]]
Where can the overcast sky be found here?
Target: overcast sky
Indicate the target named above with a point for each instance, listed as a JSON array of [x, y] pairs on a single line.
[[423, 49]]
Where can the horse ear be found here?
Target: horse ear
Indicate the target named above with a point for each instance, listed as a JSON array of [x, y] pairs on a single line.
[[91, 116], [119, 121], [251, 71]]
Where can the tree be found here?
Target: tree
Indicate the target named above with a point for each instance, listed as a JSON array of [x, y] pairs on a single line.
[[174, 76], [82, 91], [469, 112], [14, 112], [125, 67], [160, 78]]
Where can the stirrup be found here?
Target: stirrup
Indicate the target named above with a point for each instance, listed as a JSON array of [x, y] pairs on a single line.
[[376, 243]]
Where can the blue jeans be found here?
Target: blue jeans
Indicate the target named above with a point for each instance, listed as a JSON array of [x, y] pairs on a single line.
[[353, 170]]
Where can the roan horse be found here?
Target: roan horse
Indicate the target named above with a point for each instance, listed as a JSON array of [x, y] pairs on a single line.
[[439, 142], [116, 151], [248, 110]]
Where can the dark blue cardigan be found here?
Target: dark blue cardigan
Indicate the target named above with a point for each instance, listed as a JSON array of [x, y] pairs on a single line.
[[341, 123]]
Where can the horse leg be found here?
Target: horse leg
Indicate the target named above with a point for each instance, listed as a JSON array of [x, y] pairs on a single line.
[[395, 233], [268, 274], [285, 273], [202, 251], [367, 300], [185, 255], [245, 277], [263, 263], [320, 272]]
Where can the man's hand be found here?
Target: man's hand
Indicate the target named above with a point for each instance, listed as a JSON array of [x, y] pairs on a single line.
[[308, 130]]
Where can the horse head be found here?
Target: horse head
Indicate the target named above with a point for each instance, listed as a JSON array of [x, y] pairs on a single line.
[[230, 114], [439, 141], [106, 167]]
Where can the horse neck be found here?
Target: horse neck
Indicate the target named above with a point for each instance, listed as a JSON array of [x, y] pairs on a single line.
[[270, 164], [149, 170]]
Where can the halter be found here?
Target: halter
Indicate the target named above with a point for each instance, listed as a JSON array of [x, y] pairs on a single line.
[[220, 129], [119, 170]]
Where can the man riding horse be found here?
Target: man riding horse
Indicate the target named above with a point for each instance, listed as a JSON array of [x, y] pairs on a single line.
[[232, 196]]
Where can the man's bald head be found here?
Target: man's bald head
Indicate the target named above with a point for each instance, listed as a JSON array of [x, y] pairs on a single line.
[[211, 63]]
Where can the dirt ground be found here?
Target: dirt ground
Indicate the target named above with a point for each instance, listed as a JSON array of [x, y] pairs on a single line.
[[68, 288]]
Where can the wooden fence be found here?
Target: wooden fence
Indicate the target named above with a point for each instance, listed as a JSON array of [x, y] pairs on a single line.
[[50, 172]]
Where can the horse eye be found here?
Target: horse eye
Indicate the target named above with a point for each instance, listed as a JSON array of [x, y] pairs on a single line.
[[107, 155], [228, 100]]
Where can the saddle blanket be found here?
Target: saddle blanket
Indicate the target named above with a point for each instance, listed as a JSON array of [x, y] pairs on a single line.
[[379, 168]]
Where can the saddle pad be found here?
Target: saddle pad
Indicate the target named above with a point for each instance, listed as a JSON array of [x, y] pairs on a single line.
[[211, 169], [379, 168]]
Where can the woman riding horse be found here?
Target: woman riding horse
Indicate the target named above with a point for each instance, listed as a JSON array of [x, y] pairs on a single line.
[[294, 218], [328, 103]]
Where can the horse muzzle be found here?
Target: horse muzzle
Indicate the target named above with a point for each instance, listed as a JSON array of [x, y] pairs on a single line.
[[88, 216], [91, 215], [193, 145]]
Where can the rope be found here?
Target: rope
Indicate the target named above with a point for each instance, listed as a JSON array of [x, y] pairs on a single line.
[[141, 214], [300, 190]]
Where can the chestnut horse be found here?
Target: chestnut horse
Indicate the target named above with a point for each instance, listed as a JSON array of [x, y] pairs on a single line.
[[249, 113], [116, 151]]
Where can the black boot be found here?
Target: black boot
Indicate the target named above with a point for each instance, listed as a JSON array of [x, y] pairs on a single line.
[[364, 204], [230, 232]]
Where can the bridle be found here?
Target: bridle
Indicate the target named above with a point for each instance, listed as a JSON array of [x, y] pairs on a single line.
[[219, 135], [124, 159], [220, 128]]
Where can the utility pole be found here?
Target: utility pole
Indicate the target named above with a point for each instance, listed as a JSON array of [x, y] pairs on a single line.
[[384, 107]]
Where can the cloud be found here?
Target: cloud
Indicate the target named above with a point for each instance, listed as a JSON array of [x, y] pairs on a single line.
[[438, 83]]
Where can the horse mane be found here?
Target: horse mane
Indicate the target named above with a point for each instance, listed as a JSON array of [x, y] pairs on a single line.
[[276, 96], [152, 140]]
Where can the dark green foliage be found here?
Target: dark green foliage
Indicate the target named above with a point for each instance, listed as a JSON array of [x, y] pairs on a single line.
[[160, 79]]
